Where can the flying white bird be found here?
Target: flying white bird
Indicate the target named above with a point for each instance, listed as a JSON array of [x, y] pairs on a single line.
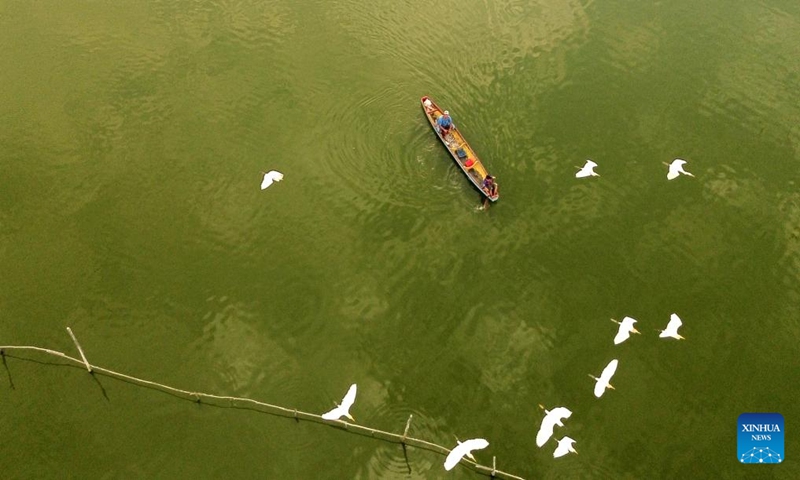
[[551, 419], [625, 329], [564, 447], [587, 170], [463, 449], [269, 177], [605, 377], [676, 168], [672, 328], [343, 410]]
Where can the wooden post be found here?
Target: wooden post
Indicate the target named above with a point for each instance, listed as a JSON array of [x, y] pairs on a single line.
[[80, 350], [408, 424]]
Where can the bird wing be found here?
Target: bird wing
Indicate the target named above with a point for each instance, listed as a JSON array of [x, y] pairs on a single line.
[[475, 444], [560, 413], [673, 171], [269, 177], [675, 168], [563, 447], [549, 422], [628, 322], [463, 448], [560, 451], [349, 397], [674, 323], [625, 329], [608, 372], [587, 170], [599, 388], [333, 414], [453, 458], [622, 335], [545, 431]]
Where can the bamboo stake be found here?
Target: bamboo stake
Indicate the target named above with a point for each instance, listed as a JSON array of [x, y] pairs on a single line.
[[273, 409], [80, 350], [408, 424]]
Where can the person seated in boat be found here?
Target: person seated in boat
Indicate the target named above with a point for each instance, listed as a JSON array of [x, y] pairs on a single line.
[[489, 185], [445, 123], [428, 106]]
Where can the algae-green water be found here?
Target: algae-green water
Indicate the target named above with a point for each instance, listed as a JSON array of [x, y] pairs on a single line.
[[133, 135]]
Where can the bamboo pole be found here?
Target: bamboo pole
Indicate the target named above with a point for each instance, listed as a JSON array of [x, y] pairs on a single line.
[[408, 424], [80, 350], [270, 408]]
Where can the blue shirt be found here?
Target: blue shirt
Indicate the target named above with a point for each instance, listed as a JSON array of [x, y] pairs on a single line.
[[444, 121]]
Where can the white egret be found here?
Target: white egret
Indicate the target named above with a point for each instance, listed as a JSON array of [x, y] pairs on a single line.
[[269, 177], [343, 410], [564, 447], [605, 377], [625, 329], [672, 328], [463, 449], [676, 168], [587, 170], [551, 419]]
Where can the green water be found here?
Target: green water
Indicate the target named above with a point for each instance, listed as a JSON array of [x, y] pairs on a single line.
[[133, 136]]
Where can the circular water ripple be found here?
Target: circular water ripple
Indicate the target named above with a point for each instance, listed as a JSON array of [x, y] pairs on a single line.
[[361, 154], [389, 460]]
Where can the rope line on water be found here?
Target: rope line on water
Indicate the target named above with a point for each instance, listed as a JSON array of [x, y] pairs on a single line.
[[298, 415]]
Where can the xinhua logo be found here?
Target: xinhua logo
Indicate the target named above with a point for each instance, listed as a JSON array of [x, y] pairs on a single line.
[[760, 438]]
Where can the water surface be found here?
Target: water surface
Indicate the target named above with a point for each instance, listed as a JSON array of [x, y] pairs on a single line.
[[133, 138]]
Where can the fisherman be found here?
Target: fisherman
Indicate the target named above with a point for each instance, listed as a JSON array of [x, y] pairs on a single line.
[[489, 185], [445, 123], [428, 106]]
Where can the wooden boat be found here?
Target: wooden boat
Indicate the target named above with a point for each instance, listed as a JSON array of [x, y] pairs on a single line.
[[461, 152]]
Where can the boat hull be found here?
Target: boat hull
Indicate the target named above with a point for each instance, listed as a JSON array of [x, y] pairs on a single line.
[[461, 152]]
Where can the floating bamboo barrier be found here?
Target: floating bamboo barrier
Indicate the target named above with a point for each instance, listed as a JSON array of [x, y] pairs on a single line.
[[298, 415]]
